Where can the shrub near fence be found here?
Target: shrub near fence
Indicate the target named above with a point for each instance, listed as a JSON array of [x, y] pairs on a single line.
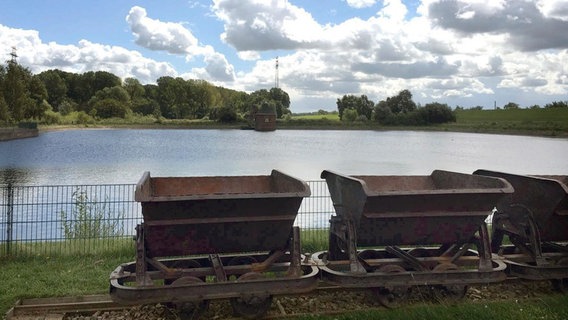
[[91, 219]]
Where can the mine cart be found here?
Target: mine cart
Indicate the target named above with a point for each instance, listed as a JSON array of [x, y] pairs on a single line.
[[391, 233], [535, 220], [209, 238]]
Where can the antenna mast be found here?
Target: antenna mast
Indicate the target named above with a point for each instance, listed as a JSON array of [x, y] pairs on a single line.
[[14, 55], [276, 80]]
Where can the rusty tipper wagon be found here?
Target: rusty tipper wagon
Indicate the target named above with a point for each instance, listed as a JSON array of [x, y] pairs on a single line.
[[440, 216], [535, 219], [209, 238]]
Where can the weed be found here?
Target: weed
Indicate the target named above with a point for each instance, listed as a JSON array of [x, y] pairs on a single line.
[[90, 219]]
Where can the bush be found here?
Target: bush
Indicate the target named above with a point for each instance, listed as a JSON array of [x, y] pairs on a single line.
[[110, 108], [349, 115], [224, 114], [381, 112], [50, 117], [82, 118], [89, 219], [435, 113]]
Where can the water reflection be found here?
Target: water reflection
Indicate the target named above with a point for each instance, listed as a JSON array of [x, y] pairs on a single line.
[[13, 176]]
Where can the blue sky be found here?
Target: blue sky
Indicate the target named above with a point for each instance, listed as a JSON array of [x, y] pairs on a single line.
[[460, 52]]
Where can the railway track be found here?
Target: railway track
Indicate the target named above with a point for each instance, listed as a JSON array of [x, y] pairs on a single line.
[[57, 308], [326, 300]]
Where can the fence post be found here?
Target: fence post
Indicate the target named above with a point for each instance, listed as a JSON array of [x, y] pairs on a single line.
[[8, 194]]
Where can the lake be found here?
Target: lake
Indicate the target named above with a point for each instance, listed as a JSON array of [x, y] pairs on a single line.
[[108, 156]]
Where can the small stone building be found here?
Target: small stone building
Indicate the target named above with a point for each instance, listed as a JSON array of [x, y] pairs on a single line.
[[265, 121]]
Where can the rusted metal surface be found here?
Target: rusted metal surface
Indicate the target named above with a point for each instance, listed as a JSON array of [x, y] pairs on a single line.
[[444, 210], [224, 235], [123, 290], [444, 207], [339, 272], [197, 215], [535, 219]]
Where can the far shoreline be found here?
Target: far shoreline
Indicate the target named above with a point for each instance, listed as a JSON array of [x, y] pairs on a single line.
[[550, 133]]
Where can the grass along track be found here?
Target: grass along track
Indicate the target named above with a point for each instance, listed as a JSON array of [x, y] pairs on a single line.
[[515, 299]]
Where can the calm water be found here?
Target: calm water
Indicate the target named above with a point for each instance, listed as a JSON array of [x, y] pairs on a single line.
[[121, 156]]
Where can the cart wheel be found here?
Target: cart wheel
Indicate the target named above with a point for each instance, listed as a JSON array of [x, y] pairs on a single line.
[[251, 306], [391, 297], [449, 293], [189, 309], [183, 264]]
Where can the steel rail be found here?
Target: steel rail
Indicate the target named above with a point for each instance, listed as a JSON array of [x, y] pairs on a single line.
[[62, 305]]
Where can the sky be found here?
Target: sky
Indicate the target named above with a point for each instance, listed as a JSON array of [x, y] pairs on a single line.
[[461, 52]]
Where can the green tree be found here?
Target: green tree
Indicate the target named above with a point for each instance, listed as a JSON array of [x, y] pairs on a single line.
[[4, 112], [361, 104], [15, 91], [38, 104], [511, 106], [134, 89], [170, 94], [381, 112], [435, 113], [225, 114], [282, 100], [401, 103], [23, 94], [556, 104], [110, 102], [110, 108], [55, 86]]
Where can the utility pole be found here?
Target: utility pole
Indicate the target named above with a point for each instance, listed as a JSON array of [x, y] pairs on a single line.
[[14, 55], [276, 80]]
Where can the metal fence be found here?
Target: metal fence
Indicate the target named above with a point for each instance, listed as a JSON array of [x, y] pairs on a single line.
[[89, 219]]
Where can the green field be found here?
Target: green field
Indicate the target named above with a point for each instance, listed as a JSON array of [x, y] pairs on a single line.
[[552, 121], [544, 122]]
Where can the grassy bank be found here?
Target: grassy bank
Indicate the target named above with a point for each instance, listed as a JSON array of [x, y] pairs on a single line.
[[541, 122], [43, 276], [545, 122]]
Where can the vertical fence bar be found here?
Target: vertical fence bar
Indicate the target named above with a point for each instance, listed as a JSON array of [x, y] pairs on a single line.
[[9, 217]]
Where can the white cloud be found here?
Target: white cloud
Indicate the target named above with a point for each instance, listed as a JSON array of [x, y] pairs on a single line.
[[157, 35], [394, 10], [555, 9], [174, 38], [84, 56], [256, 25], [361, 3], [527, 24]]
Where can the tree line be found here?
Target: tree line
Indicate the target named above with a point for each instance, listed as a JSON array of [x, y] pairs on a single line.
[[93, 95], [396, 110], [402, 110]]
